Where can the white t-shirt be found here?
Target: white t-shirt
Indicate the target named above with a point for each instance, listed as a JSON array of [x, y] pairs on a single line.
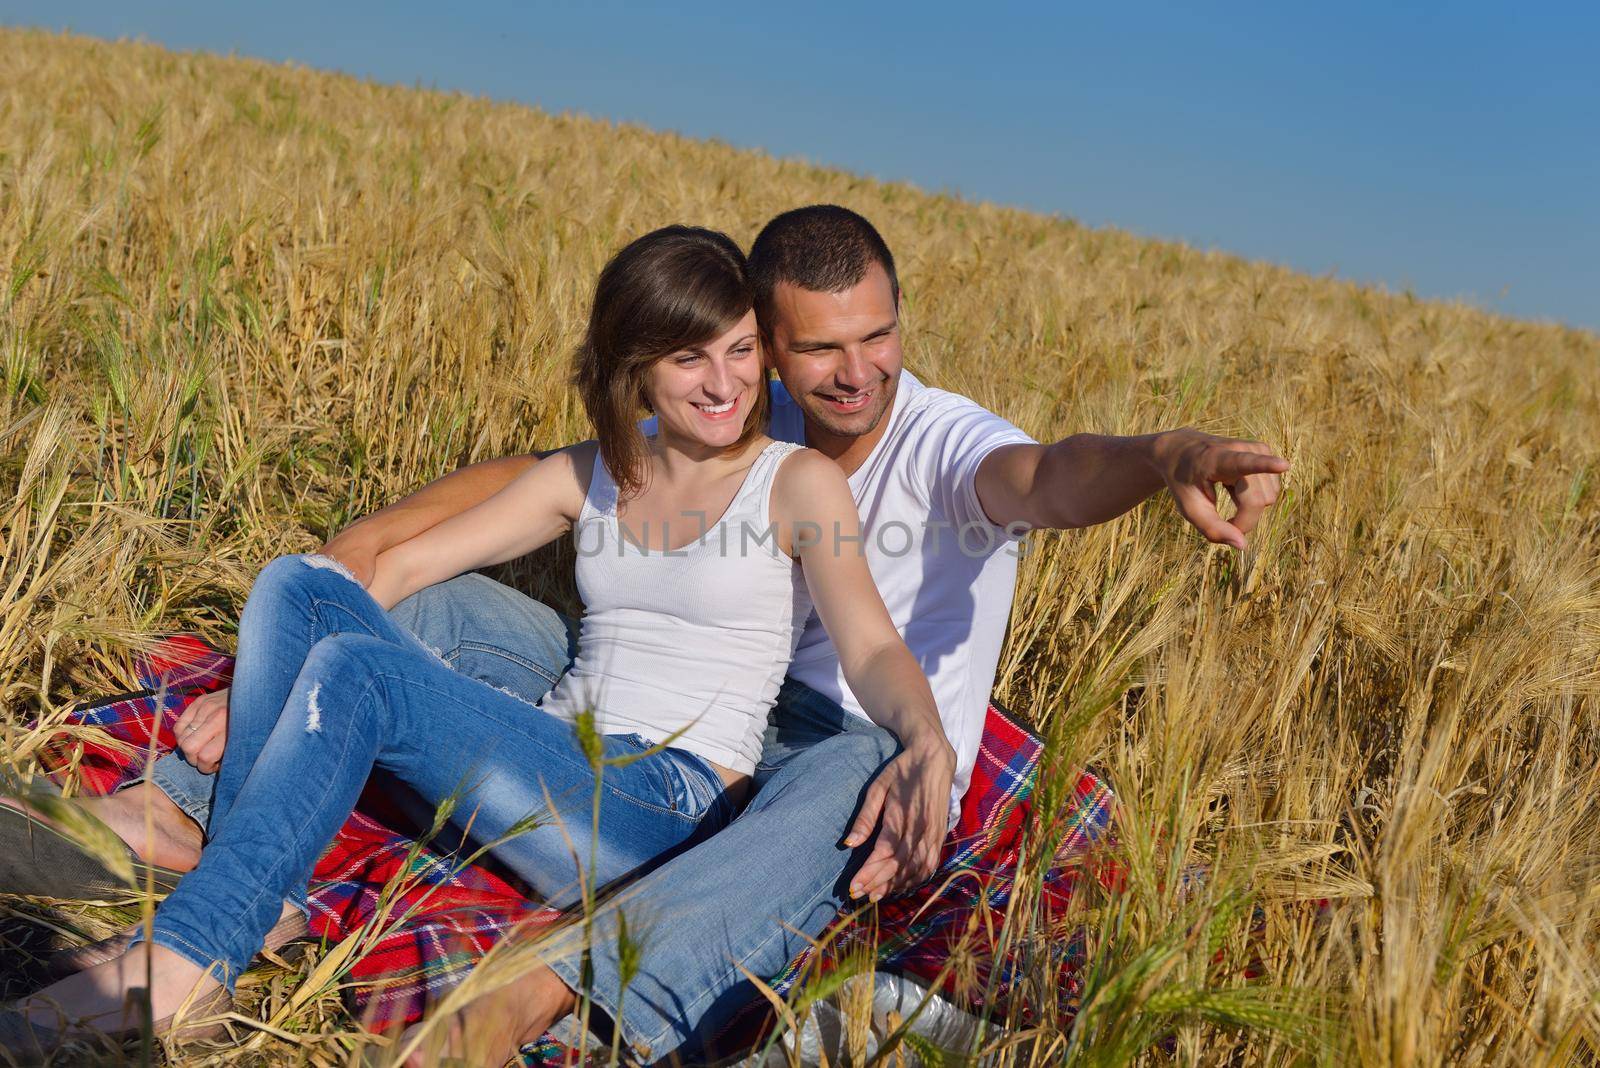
[[946, 573]]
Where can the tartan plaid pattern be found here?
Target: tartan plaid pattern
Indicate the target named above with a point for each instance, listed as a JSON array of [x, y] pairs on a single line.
[[438, 918], [427, 917]]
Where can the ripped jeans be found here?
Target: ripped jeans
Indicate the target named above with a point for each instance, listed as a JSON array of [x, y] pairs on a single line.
[[327, 687], [709, 916], [480, 627]]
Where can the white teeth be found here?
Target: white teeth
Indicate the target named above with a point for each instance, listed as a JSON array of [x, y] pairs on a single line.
[[718, 410]]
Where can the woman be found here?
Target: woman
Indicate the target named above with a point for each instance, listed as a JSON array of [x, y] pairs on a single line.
[[687, 632]]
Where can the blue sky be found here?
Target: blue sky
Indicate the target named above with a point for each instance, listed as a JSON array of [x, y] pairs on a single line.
[[1450, 149]]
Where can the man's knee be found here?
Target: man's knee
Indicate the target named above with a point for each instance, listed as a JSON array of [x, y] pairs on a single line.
[[470, 596], [427, 604], [490, 631], [866, 750], [829, 774]]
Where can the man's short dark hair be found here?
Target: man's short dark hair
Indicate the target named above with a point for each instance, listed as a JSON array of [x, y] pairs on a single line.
[[822, 247]]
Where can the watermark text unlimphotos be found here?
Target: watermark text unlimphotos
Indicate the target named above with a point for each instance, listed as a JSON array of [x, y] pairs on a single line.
[[895, 538]]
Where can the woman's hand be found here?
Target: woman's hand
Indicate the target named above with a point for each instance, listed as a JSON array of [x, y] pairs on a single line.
[[909, 804], [202, 730]]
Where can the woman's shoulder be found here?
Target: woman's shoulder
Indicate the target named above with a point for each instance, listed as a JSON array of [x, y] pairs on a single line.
[[578, 457], [769, 450], [807, 477], [581, 455], [577, 464], [803, 463], [810, 494]]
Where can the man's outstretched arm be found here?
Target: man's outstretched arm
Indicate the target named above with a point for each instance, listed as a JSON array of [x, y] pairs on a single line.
[[1090, 478], [358, 545]]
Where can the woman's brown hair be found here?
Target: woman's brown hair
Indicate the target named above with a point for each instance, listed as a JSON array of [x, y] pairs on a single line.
[[672, 289]]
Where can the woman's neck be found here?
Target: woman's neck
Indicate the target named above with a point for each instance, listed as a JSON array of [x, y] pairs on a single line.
[[678, 459]]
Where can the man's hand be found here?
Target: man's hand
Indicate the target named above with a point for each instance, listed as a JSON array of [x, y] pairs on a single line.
[[353, 548], [909, 804], [202, 730], [1192, 463]]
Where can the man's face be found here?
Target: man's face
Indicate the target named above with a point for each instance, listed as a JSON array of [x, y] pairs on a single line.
[[838, 353]]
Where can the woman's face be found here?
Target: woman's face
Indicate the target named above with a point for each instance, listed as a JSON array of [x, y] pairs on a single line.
[[704, 394]]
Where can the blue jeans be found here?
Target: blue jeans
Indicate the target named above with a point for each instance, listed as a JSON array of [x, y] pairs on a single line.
[[724, 900], [480, 627], [749, 898], [325, 688]]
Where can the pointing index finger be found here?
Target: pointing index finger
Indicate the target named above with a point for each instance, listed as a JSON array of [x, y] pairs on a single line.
[[1236, 463]]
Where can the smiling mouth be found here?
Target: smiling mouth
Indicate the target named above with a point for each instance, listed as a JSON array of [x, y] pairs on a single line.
[[717, 411], [853, 403]]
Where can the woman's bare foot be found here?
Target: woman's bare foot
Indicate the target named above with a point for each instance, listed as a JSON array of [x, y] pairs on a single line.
[[97, 999], [493, 1028], [171, 840]]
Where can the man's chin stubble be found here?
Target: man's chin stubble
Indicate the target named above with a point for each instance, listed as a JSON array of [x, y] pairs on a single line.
[[828, 422]]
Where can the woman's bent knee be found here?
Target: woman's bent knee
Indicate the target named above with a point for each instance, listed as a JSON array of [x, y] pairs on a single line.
[[293, 575], [323, 562], [341, 666], [280, 571]]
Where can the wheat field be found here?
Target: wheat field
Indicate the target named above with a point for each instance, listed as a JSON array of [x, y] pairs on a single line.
[[245, 304]]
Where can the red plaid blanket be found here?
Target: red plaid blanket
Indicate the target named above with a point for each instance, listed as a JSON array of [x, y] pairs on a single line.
[[425, 917]]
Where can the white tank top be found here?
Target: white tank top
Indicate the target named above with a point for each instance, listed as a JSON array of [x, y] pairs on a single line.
[[697, 639]]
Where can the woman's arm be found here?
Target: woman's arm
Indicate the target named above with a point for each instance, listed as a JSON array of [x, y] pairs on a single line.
[[911, 795], [533, 509]]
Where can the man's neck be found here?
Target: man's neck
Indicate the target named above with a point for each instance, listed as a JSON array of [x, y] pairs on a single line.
[[849, 453]]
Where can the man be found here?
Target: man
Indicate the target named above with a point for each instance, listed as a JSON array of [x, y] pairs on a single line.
[[945, 489]]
